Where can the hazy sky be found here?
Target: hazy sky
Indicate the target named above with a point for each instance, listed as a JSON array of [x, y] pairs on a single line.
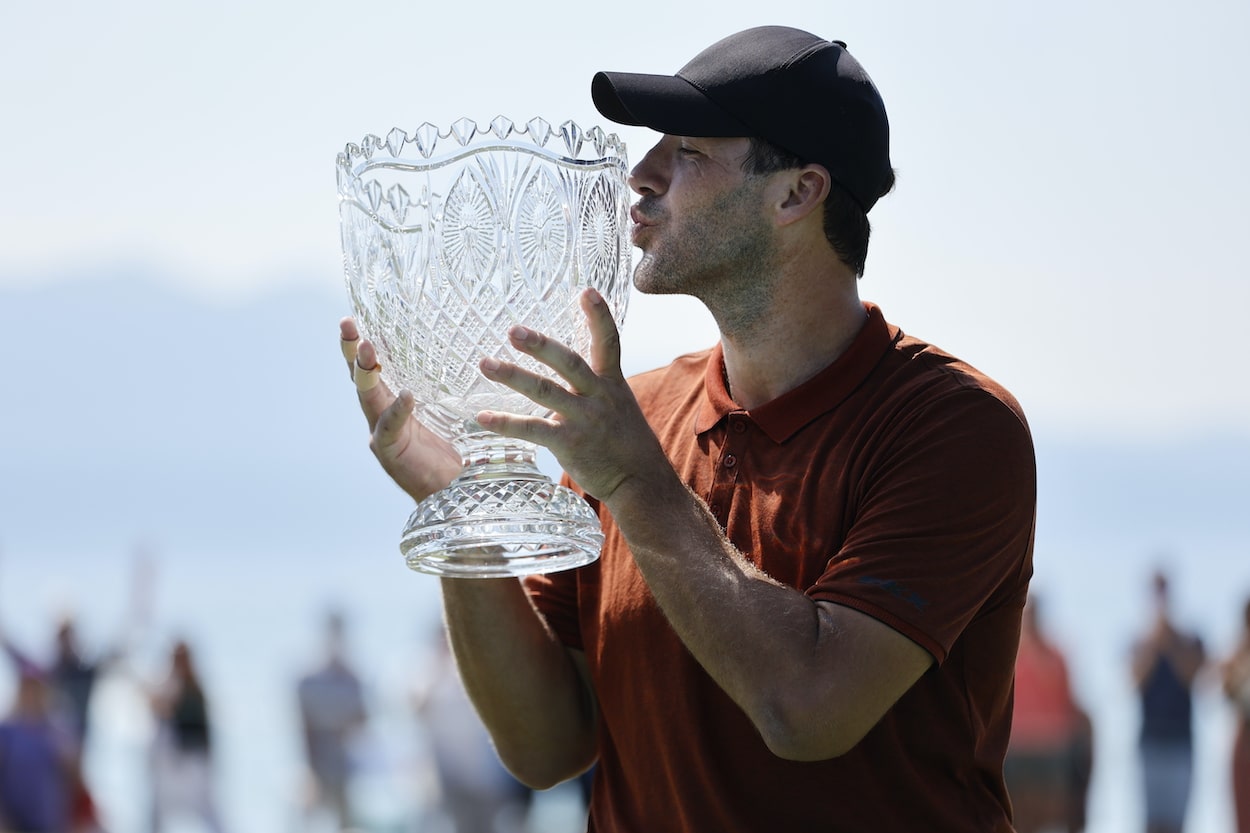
[[1073, 175]]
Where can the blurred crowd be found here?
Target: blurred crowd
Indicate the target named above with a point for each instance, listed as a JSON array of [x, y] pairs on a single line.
[[1051, 756], [46, 727]]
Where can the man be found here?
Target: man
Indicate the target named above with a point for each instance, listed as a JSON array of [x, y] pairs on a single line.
[[1166, 662], [38, 759], [818, 532], [70, 676], [1050, 758], [332, 711]]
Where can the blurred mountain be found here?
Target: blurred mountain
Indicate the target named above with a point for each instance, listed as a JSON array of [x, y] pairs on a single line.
[[133, 408]]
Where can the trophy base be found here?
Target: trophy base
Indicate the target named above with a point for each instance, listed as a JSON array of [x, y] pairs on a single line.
[[496, 526]]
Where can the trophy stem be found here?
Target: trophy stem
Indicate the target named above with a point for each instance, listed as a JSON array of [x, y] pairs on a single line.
[[485, 455], [501, 517]]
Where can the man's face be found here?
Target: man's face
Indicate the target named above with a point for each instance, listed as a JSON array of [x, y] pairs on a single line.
[[700, 220]]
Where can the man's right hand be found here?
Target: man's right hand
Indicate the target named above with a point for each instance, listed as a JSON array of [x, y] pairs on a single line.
[[415, 457], [533, 693]]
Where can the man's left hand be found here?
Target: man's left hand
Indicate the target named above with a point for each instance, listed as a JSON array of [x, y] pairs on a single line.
[[597, 430]]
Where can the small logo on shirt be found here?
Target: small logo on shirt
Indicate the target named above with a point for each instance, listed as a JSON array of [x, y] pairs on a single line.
[[898, 591]]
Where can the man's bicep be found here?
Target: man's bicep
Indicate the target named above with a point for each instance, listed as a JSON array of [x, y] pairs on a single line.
[[870, 665]]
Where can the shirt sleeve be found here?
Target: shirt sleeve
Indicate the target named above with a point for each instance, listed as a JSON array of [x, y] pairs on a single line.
[[943, 526]]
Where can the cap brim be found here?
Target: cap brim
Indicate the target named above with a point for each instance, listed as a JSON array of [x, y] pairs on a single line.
[[665, 103]]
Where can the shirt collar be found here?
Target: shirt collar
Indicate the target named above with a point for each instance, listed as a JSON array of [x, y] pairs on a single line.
[[786, 414]]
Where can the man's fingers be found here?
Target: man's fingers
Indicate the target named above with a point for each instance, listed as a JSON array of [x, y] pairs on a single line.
[[605, 347], [391, 421], [349, 341], [366, 380], [534, 429], [366, 369], [366, 372], [605, 337], [537, 388], [360, 355], [564, 361], [583, 379]]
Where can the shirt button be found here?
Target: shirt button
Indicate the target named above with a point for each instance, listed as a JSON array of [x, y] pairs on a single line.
[[739, 426], [730, 461]]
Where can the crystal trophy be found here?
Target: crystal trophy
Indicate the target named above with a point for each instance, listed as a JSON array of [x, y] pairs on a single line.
[[450, 237]]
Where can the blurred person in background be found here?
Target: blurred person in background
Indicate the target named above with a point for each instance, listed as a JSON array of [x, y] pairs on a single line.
[[181, 753], [476, 794], [71, 675], [1166, 661], [1050, 757], [1235, 674], [38, 761], [72, 672], [332, 713], [69, 680]]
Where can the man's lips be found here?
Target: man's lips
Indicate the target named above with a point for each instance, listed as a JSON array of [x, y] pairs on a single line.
[[639, 217], [641, 222]]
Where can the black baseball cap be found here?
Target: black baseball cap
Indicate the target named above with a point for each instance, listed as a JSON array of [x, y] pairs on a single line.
[[804, 94]]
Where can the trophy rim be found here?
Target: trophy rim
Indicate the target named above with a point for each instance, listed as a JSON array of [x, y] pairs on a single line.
[[469, 136]]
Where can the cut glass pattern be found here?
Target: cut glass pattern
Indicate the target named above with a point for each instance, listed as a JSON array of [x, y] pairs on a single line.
[[451, 236]]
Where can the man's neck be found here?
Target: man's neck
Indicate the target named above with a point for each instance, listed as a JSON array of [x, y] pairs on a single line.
[[798, 339]]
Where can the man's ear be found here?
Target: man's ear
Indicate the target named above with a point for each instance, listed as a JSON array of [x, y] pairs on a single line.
[[806, 189]]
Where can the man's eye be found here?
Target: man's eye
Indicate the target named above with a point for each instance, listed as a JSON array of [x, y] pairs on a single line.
[[685, 151]]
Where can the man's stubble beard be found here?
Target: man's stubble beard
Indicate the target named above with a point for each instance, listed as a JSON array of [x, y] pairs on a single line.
[[724, 256]]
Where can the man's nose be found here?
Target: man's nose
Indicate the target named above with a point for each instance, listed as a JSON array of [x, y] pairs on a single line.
[[650, 175]]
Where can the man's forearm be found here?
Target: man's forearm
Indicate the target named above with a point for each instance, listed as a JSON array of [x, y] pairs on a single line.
[[743, 628], [522, 680], [813, 678]]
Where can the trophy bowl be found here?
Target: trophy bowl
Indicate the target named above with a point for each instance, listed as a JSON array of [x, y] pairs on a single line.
[[450, 237]]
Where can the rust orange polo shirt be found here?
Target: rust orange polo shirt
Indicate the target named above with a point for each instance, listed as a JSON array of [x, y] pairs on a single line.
[[899, 481]]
